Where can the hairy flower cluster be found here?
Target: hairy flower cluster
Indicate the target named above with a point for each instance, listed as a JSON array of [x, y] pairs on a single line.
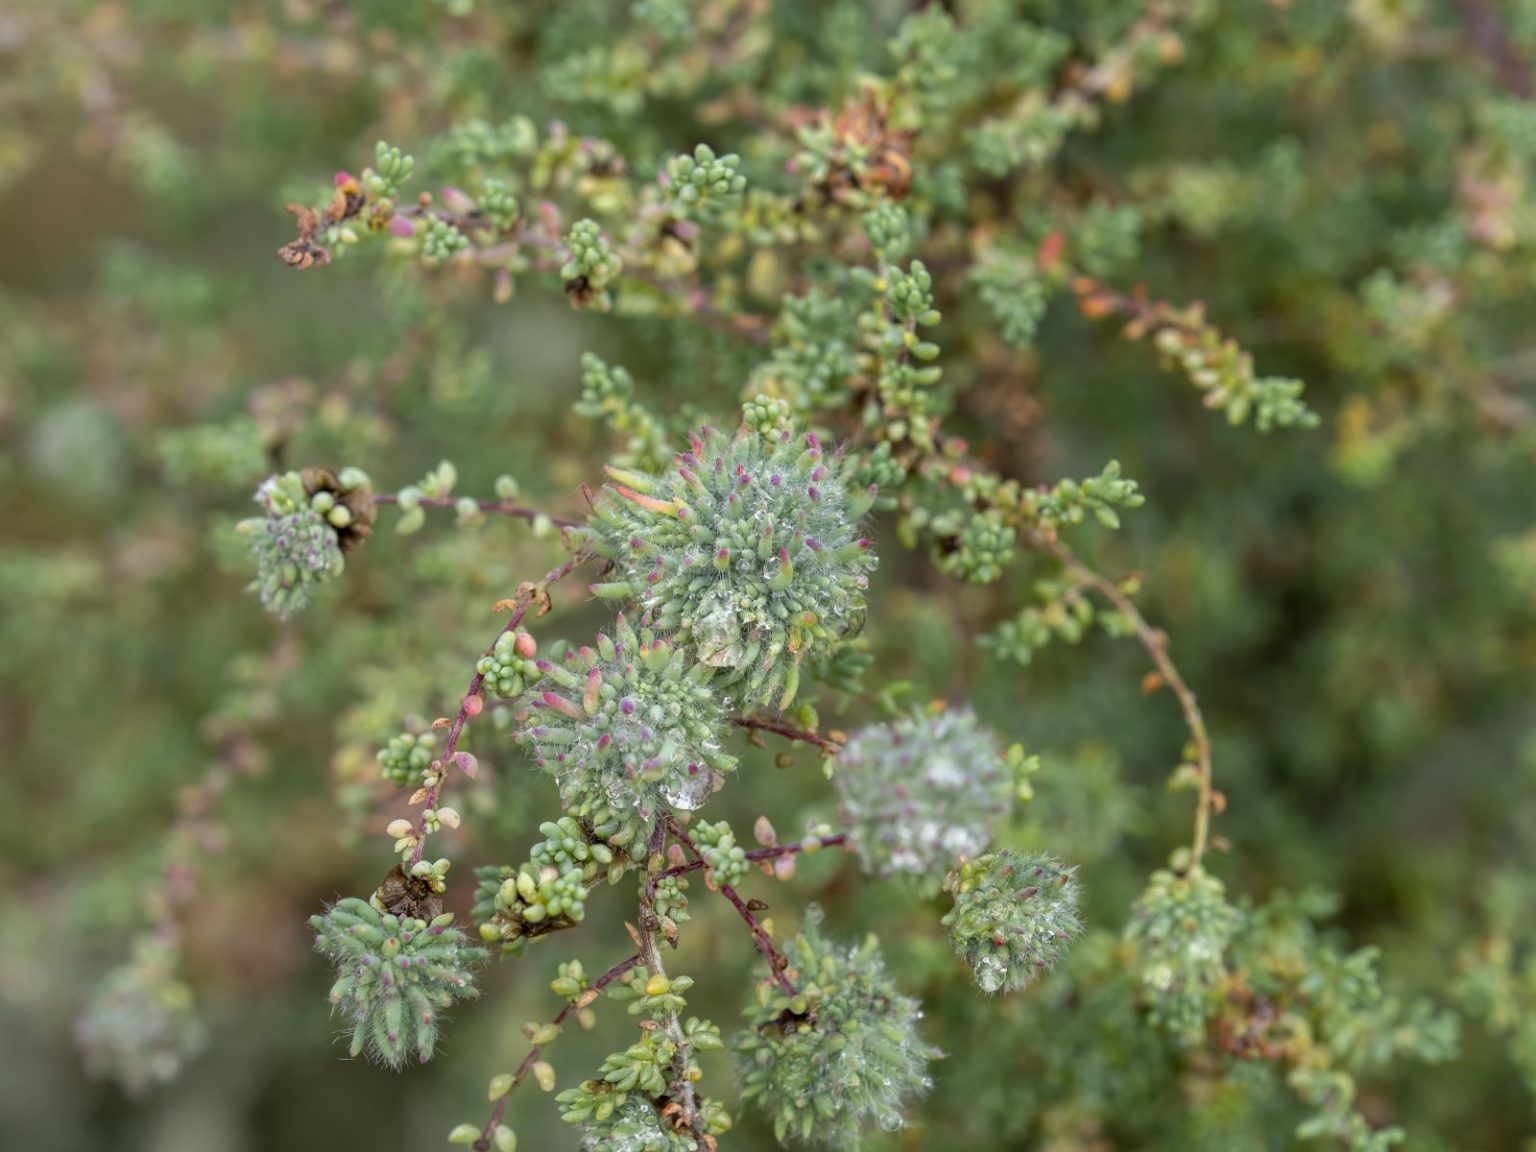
[[547, 893], [629, 728], [632, 1124], [1013, 917], [920, 793], [311, 518], [1180, 928], [747, 549], [841, 1054], [141, 1025], [396, 974]]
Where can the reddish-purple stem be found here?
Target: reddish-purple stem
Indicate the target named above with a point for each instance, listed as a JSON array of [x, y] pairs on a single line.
[[773, 853], [525, 600], [760, 937], [788, 731], [487, 1134]]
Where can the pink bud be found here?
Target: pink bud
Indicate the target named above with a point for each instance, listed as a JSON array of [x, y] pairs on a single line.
[[400, 226], [763, 833], [467, 764], [473, 705], [343, 178]]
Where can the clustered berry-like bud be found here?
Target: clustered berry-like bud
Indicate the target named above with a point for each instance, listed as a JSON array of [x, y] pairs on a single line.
[[497, 203], [441, 241], [725, 861], [510, 666], [920, 793], [747, 549], [702, 184], [312, 517], [591, 266], [1013, 917], [141, 1025], [671, 905], [397, 974], [547, 893], [643, 1099], [1180, 928], [982, 551], [407, 756], [841, 1054], [628, 729]]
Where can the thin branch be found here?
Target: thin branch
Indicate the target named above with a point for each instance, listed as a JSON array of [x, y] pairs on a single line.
[[774, 853], [788, 731], [526, 597], [650, 950], [1491, 40], [760, 937], [1155, 641], [487, 1134]]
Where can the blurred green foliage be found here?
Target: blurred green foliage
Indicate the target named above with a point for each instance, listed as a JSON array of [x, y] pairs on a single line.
[[1349, 189]]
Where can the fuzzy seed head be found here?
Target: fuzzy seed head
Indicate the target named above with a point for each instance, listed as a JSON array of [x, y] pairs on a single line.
[[295, 546], [921, 792], [141, 1025]]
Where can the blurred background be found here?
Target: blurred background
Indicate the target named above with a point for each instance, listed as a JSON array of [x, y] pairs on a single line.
[[1343, 184]]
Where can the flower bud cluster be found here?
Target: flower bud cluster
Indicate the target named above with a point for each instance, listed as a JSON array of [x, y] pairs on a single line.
[[510, 668], [747, 549], [1013, 917], [1180, 928], [408, 756], [725, 861], [441, 241], [840, 1055], [547, 893], [629, 728], [590, 267], [671, 904], [396, 976], [703, 184]]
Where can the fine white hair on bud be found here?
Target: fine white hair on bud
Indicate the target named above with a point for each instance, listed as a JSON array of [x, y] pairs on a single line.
[[1013, 918], [629, 728], [839, 1054], [747, 549], [396, 975], [920, 793]]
